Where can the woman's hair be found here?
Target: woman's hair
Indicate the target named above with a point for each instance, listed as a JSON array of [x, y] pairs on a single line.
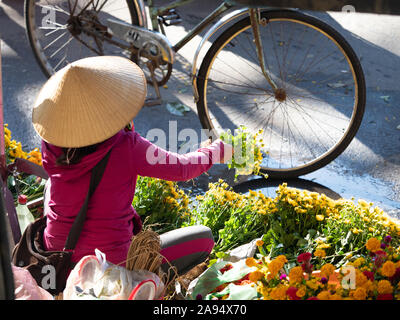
[[74, 155]]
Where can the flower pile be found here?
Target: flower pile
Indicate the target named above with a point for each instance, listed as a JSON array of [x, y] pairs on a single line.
[[373, 276], [293, 222]]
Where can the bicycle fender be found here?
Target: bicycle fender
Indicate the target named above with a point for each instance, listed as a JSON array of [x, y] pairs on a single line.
[[217, 26], [141, 11]]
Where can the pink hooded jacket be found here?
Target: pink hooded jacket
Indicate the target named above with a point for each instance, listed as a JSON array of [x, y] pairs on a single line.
[[109, 224]]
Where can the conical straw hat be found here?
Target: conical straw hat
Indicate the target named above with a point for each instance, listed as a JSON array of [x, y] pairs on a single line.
[[89, 101]]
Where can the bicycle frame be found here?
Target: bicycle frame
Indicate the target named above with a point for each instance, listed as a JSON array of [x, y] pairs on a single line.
[[254, 14], [158, 11]]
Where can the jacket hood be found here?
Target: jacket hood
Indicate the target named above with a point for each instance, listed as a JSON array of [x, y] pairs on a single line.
[[50, 153]]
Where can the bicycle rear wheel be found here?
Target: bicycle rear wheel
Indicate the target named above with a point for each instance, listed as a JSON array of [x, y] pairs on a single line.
[[320, 101], [58, 37]]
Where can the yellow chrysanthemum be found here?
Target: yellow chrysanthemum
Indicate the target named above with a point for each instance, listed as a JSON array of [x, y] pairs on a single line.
[[320, 253], [358, 262], [256, 276], [327, 270], [388, 269], [384, 287], [361, 279], [335, 296], [312, 284], [282, 259], [373, 244], [296, 275], [259, 243], [251, 262], [274, 266], [323, 295], [301, 292], [359, 294], [278, 293]]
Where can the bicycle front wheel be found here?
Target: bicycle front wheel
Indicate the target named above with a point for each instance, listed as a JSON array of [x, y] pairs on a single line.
[[317, 107], [63, 31]]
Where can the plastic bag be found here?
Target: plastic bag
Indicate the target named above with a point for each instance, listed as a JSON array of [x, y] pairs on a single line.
[[95, 278], [235, 292], [213, 278], [26, 287]]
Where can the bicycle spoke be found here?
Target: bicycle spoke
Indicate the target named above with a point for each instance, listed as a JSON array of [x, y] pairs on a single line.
[[241, 74], [310, 127], [54, 41], [62, 47]]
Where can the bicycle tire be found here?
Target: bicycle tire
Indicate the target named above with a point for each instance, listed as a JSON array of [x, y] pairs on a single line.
[[288, 15], [29, 16]]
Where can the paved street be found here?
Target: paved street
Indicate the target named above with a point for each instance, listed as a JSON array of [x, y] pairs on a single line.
[[368, 169]]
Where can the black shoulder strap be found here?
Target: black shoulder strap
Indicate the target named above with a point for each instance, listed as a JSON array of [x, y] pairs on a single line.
[[97, 173]]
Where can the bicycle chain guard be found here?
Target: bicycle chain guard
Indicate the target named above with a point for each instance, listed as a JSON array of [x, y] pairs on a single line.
[[151, 45]]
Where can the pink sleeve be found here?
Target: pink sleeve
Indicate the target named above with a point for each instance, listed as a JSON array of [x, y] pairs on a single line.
[[153, 161]]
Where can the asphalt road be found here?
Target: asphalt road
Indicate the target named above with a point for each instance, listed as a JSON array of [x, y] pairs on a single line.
[[368, 169]]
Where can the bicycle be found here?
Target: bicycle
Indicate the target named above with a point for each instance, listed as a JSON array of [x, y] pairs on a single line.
[[276, 69]]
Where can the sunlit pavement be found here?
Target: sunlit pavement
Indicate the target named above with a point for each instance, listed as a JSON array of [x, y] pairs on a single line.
[[368, 169]]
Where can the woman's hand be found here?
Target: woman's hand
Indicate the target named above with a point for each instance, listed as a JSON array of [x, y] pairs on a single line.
[[228, 149], [228, 152]]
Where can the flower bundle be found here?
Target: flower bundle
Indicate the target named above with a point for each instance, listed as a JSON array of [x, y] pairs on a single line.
[[247, 156], [373, 276], [22, 184], [14, 149]]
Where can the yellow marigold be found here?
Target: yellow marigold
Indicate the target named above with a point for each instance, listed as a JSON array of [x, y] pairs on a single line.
[[361, 279], [259, 243], [388, 269], [368, 285], [363, 203], [320, 217], [359, 294], [274, 266], [323, 246], [320, 253], [358, 262], [335, 296], [256, 276], [323, 295], [282, 259], [296, 275], [327, 270], [7, 131], [384, 287], [301, 292], [251, 262], [312, 284], [278, 293], [373, 244]]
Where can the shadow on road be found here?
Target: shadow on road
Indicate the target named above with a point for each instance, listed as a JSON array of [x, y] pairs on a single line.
[[269, 186]]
